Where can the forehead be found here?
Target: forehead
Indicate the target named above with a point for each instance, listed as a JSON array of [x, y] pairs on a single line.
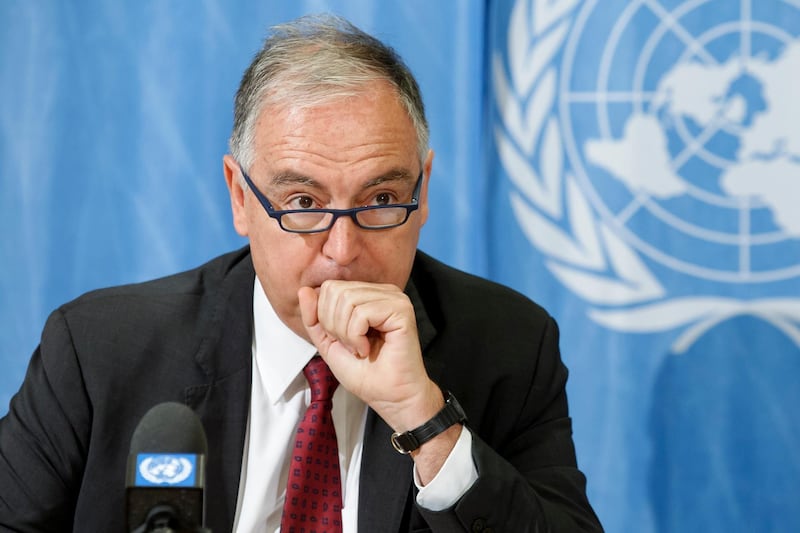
[[368, 126]]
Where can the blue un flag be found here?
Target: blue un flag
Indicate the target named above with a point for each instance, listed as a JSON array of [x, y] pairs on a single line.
[[646, 163]]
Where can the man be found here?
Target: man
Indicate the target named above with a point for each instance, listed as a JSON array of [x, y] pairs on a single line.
[[328, 178]]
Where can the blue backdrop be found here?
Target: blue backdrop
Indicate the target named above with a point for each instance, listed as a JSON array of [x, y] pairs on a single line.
[[630, 164]]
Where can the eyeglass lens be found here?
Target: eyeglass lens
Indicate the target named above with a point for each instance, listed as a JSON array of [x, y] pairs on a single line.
[[375, 218]]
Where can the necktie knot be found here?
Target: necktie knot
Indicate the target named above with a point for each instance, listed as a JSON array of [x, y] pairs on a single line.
[[322, 381]]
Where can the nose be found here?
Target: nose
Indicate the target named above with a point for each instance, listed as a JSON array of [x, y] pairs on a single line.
[[343, 241]]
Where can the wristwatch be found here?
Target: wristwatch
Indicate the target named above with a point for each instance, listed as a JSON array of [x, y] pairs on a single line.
[[450, 414]]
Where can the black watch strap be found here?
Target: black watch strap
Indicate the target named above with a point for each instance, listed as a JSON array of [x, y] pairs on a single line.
[[450, 414]]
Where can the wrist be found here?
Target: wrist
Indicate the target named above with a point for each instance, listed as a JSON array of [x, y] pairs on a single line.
[[415, 409], [431, 457]]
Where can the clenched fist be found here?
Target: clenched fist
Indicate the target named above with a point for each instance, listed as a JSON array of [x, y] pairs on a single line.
[[367, 333]]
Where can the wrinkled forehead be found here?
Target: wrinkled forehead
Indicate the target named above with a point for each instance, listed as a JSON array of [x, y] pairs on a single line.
[[371, 115]]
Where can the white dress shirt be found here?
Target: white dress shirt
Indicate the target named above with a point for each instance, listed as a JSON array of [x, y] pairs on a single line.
[[279, 397]]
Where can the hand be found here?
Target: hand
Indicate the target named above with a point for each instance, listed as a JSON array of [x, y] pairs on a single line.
[[367, 334]]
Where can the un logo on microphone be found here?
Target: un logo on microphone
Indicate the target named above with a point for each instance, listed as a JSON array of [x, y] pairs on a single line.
[[653, 151], [171, 470]]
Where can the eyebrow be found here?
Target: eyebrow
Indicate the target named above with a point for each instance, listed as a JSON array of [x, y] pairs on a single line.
[[293, 178], [396, 174]]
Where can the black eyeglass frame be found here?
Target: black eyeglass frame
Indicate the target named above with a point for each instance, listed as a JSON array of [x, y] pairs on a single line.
[[352, 212]]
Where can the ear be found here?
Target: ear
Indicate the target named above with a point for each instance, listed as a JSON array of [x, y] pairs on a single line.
[[236, 189], [427, 167]]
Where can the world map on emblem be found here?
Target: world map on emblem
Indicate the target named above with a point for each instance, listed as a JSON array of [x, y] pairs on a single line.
[[688, 148], [165, 469]]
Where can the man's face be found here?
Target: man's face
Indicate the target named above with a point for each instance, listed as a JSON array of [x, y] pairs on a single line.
[[348, 153]]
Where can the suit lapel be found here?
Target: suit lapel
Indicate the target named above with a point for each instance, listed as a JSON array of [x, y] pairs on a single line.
[[385, 480], [223, 403]]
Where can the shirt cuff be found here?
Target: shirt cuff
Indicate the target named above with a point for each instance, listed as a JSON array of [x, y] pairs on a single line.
[[453, 480]]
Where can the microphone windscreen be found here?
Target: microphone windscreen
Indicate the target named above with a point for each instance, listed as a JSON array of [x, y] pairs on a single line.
[[169, 427], [165, 476]]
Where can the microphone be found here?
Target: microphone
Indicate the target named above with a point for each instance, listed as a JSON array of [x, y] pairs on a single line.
[[166, 472]]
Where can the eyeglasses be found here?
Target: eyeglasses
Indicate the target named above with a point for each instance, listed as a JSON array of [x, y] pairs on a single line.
[[318, 220]]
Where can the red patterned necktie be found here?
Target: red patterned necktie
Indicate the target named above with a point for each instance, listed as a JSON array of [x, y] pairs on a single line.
[[314, 491]]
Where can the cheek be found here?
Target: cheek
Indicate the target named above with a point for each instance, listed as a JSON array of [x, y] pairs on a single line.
[[395, 257], [280, 266], [282, 257], [267, 249]]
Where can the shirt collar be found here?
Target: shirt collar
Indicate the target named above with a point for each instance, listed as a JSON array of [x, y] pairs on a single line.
[[280, 353]]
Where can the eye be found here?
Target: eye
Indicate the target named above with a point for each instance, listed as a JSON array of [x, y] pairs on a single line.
[[384, 198], [301, 202]]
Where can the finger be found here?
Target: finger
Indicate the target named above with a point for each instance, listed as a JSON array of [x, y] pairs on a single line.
[[363, 316], [357, 329], [335, 308], [349, 310]]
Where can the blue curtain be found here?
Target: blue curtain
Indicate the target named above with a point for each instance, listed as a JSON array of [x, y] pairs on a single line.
[[630, 164]]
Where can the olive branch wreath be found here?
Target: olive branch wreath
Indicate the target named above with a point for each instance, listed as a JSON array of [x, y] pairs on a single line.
[[587, 257]]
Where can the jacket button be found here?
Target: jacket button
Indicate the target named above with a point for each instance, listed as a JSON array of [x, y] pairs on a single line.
[[478, 525]]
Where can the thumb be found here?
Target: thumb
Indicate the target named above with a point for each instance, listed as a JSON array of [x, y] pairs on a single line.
[[307, 298]]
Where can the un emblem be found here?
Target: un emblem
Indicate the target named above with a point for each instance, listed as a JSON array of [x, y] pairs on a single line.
[[166, 469], [653, 150]]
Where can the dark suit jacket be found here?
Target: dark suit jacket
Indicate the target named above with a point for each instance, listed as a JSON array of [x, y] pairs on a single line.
[[110, 355]]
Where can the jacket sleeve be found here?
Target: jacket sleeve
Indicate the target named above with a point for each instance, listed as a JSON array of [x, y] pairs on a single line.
[[528, 480], [44, 438]]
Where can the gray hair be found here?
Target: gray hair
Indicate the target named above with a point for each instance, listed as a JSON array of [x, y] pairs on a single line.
[[314, 60]]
